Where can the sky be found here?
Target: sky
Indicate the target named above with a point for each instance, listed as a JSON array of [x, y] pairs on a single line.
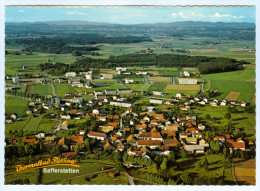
[[129, 15]]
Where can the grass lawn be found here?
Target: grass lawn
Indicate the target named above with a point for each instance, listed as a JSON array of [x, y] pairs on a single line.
[[138, 87], [42, 90], [15, 105], [60, 90], [32, 124], [46, 125], [235, 81], [215, 168]]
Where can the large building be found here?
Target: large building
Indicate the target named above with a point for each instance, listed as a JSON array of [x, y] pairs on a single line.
[[188, 81], [120, 104], [156, 101], [106, 76], [70, 74]]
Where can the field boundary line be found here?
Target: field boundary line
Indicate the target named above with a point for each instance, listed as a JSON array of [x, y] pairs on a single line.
[[233, 173]]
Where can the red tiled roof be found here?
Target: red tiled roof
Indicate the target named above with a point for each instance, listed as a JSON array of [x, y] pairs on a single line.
[[69, 154], [140, 126], [171, 142], [96, 134], [148, 142], [25, 140]]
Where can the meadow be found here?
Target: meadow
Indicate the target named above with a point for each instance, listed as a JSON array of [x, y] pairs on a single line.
[[60, 90], [42, 90], [235, 81], [15, 105]]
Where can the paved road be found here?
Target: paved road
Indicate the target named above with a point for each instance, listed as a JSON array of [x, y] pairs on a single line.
[[129, 178], [47, 80]]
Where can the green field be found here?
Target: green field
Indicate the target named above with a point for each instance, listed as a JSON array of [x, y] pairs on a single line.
[[242, 120], [188, 165], [32, 124], [60, 90], [42, 90], [236, 81], [138, 87], [158, 87], [15, 105]]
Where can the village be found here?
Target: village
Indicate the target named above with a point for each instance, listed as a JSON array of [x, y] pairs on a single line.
[[128, 130]]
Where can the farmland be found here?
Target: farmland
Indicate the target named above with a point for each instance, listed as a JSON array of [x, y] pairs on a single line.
[[232, 96], [245, 171], [60, 90], [139, 87], [160, 79], [42, 90], [234, 82], [15, 104]]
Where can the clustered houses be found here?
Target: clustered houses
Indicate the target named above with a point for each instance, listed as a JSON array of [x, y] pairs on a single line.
[[144, 133]]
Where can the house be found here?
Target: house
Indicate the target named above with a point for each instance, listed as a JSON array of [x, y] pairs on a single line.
[[188, 81], [106, 129], [150, 109], [49, 140], [243, 104], [120, 104], [197, 135], [108, 146], [191, 140], [141, 73], [97, 135], [101, 118], [124, 91], [171, 142], [140, 127], [16, 80], [156, 101], [110, 92], [131, 140], [194, 148], [170, 133], [112, 174], [220, 138], [65, 125], [95, 111], [69, 154], [201, 127], [106, 76], [174, 127], [156, 92], [129, 81], [98, 92], [186, 73], [70, 74], [183, 135], [28, 112], [40, 135], [203, 143], [29, 140], [149, 143], [178, 95]]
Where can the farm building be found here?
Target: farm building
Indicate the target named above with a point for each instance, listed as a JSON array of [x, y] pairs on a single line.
[[156, 101], [16, 80], [106, 76], [121, 69], [156, 92], [186, 73], [149, 143], [120, 104], [97, 135], [124, 91], [141, 73], [70, 74], [109, 92], [194, 148], [88, 76], [129, 81], [188, 81]]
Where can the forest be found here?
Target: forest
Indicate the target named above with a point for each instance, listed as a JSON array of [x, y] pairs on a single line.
[[205, 64]]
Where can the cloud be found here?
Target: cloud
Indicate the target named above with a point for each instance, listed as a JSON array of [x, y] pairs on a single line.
[[21, 11], [174, 14], [217, 15], [75, 13]]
